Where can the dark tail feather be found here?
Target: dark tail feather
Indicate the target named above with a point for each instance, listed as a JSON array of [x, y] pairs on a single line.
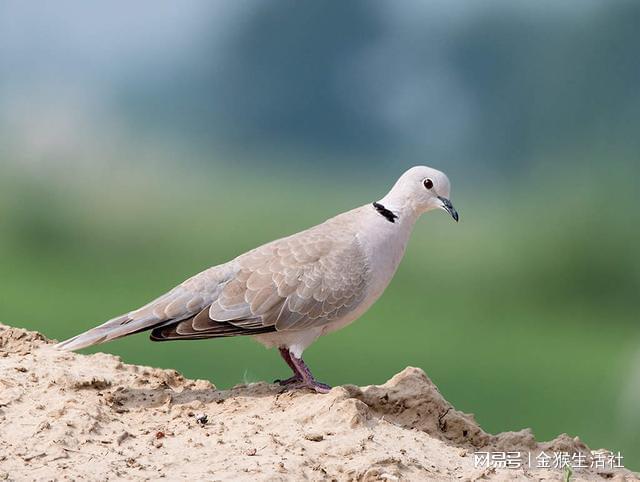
[[183, 330]]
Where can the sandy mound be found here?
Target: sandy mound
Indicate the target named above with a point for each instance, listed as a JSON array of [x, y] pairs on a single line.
[[68, 416]]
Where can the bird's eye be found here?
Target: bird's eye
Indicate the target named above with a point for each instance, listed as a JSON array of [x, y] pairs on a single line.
[[428, 183]]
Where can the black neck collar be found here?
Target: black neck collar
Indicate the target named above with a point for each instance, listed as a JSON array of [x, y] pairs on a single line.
[[385, 213]]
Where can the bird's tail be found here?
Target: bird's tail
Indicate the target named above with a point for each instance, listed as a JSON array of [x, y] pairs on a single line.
[[112, 329]]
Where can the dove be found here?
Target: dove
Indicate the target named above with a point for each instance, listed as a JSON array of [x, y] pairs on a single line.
[[289, 292]]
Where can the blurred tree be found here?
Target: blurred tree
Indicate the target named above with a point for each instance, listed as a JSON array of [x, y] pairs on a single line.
[[501, 88], [283, 79], [286, 75], [541, 85]]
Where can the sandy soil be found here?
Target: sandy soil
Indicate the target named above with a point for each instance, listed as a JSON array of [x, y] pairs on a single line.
[[78, 417]]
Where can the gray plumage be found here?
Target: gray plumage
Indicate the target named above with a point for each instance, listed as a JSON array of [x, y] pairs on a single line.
[[289, 292], [304, 280]]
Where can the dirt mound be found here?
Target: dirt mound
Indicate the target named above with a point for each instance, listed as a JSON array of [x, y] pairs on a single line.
[[68, 416]]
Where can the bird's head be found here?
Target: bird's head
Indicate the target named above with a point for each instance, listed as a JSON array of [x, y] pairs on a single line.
[[421, 189]]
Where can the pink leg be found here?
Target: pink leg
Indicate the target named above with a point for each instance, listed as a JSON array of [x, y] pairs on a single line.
[[308, 380], [296, 378], [302, 376]]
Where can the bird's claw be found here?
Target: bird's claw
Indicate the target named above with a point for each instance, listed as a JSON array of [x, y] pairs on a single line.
[[297, 382], [311, 385], [288, 381], [319, 387]]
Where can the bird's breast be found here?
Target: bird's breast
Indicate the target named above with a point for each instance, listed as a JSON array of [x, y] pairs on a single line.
[[384, 245]]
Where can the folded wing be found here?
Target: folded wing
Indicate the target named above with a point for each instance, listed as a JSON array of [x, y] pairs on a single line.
[[303, 281], [306, 280]]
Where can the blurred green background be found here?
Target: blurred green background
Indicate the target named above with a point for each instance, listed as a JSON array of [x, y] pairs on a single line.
[[140, 144]]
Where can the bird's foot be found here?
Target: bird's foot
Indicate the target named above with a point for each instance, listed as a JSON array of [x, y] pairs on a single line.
[[288, 381], [302, 377], [314, 385], [319, 387]]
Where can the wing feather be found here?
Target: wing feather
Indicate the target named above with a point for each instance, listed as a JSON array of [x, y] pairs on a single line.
[[303, 281]]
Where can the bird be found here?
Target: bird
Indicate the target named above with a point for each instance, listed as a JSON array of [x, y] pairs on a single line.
[[289, 292]]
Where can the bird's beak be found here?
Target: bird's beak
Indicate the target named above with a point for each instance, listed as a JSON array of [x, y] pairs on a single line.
[[447, 206]]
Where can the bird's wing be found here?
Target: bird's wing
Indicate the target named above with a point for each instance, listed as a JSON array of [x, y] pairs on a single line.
[[306, 280]]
